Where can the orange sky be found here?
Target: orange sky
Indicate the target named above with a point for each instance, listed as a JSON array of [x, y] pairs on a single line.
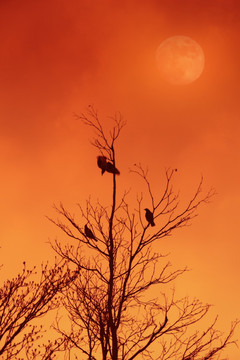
[[56, 58]]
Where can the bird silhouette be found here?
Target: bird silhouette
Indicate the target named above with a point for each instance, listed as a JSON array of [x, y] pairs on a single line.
[[105, 165], [112, 169], [102, 163], [89, 234], [149, 217]]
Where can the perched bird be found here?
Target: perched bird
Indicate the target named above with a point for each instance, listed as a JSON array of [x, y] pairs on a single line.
[[149, 217], [88, 232], [112, 169], [102, 163]]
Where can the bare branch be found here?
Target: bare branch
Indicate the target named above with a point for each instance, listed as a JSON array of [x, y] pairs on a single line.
[[122, 301]]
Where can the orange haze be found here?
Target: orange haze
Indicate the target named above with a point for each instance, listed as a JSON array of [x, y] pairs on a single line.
[[59, 56]]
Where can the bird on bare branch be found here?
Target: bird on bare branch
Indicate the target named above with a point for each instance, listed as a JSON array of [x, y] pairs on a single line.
[[105, 165], [89, 234], [149, 217]]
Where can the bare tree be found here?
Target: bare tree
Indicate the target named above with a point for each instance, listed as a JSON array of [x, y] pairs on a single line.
[[112, 310], [24, 299]]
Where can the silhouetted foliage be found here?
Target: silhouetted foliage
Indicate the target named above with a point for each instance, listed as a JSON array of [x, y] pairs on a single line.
[[22, 301], [114, 312]]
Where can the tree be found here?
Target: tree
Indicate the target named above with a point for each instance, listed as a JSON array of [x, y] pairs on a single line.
[[112, 310], [22, 301]]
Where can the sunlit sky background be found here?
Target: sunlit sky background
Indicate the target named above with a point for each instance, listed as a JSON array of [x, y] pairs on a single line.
[[57, 57]]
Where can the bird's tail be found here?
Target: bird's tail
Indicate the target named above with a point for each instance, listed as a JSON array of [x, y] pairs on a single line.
[[116, 171]]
